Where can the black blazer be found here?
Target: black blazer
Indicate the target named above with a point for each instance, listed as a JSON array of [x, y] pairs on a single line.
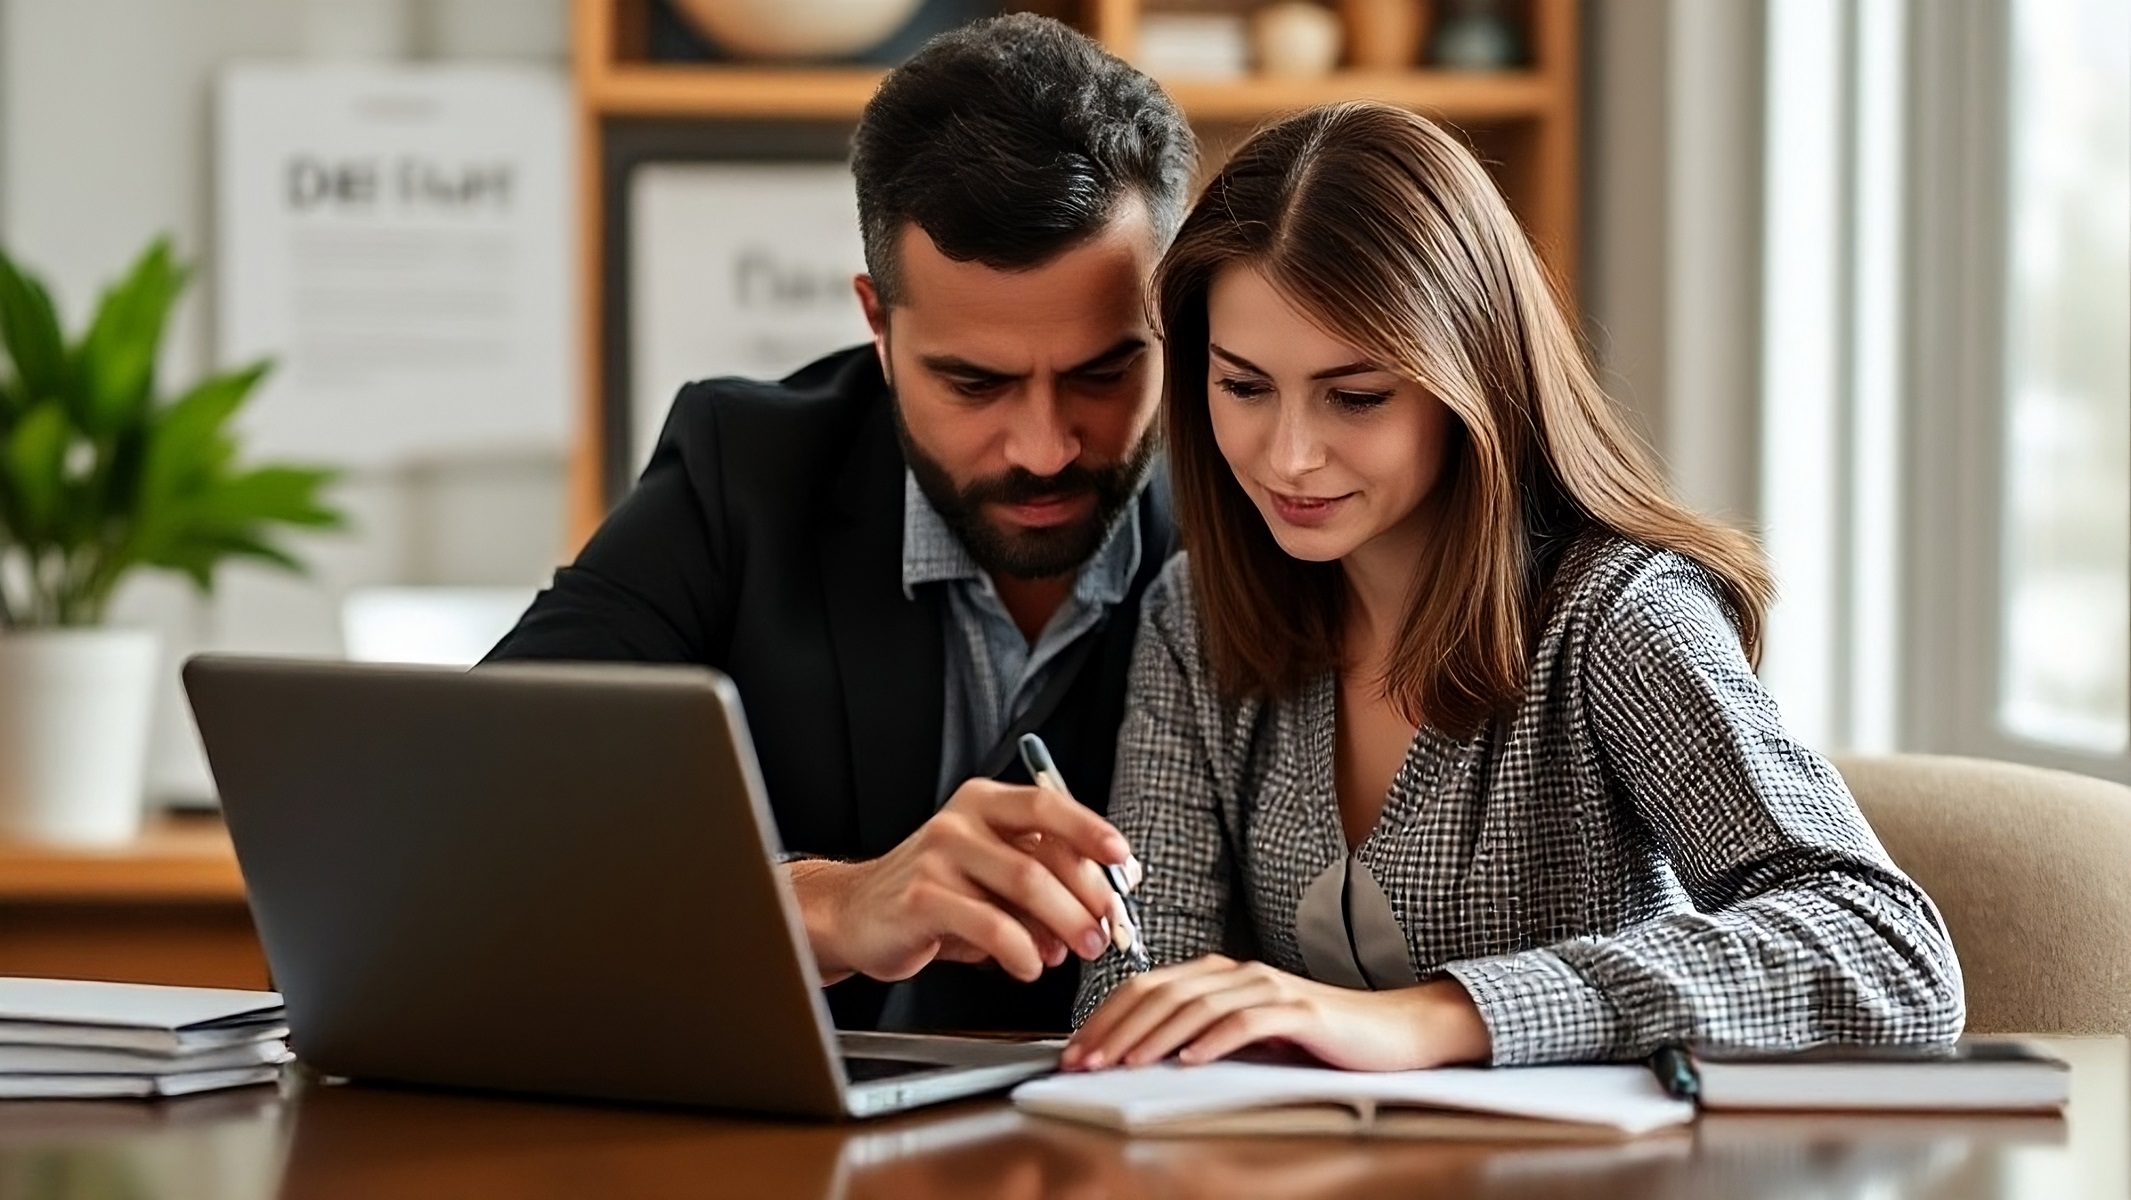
[[765, 539]]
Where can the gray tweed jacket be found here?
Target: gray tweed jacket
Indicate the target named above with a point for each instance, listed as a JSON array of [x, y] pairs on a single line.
[[1638, 854]]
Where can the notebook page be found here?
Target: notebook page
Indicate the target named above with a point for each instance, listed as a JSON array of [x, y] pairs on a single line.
[[1627, 1098]]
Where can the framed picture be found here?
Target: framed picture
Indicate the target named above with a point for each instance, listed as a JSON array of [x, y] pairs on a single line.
[[730, 248], [397, 240]]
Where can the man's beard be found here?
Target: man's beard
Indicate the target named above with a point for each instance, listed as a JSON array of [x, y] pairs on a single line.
[[1029, 553]]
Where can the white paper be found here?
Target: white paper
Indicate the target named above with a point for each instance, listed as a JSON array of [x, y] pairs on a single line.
[[736, 269], [399, 239], [132, 1005], [93, 1060], [1627, 1098], [97, 1087]]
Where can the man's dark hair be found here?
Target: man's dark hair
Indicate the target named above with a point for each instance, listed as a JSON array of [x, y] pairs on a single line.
[[1010, 140]]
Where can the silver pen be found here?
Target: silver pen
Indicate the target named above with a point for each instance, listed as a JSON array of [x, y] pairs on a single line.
[[1125, 934]]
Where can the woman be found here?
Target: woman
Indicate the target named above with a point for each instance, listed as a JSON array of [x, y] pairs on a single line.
[[1449, 700]]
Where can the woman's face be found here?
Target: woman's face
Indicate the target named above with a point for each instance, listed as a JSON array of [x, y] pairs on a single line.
[[1337, 453]]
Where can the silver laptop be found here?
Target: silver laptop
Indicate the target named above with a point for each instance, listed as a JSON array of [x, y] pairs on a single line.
[[541, 878]]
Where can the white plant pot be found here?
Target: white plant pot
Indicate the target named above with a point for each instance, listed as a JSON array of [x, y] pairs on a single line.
[[74, 721]]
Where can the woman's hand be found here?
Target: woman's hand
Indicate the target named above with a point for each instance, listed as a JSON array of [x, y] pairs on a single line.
[[1211, 1007]]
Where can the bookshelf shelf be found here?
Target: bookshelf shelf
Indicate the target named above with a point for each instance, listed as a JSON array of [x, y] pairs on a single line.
[[642, 90], [727, 92], [1450, 95]]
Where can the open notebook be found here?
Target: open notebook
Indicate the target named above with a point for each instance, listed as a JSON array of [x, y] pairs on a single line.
[[1264, 1100]]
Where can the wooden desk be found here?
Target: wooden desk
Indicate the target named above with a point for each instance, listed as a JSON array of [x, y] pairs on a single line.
[[316, 1142], [169, 908]]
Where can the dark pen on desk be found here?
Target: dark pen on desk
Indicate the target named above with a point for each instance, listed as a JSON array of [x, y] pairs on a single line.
[[1674, 1069], [1124, 933]]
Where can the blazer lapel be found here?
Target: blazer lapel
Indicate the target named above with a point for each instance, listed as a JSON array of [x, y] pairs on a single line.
[[888, 647]]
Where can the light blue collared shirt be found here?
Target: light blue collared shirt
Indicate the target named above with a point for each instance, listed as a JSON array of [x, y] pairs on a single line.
[[993, 673]]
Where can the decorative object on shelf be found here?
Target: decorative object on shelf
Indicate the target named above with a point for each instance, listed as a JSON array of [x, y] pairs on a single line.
[[1383, 35], [668, 36], [1474, 35], [100, 478], [1193, 45], [1295, 39], [798, 29]]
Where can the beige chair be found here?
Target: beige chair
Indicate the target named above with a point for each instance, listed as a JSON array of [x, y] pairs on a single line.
[[2032, 870]]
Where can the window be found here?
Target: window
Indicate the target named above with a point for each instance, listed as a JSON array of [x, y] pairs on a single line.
[[2064, 639], [2018, 588]]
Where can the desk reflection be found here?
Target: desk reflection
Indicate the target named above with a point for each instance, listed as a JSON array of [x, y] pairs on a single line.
[[314, 1140], [997, 1154]]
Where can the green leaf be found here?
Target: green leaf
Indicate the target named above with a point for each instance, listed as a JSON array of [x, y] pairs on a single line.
[[29, 329], [98, 478], [243, 546], [116, 359], [197, 554], [188, 441], [270, 494], [36, 472]]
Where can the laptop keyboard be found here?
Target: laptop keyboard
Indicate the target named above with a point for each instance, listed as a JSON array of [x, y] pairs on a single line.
[[866, 1070]]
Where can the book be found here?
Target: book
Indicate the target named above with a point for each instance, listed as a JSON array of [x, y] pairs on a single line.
[[1973, 1075], [84, 1087], [1252, 1099], [148, 1018], [97, 1060]]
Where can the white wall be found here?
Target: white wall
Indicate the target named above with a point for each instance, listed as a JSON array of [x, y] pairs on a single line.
[[105, 142]]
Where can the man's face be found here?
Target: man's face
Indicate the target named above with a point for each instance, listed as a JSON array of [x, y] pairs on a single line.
[[1025, 398]]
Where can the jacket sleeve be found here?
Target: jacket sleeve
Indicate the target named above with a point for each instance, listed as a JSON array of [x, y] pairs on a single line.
[[655, 582], [1802, 930]]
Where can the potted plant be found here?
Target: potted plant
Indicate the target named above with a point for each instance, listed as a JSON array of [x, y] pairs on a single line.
[[102, 476]]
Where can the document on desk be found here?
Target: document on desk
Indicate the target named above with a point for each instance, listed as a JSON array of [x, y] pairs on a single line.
[[146, 1018], [1595, 1102]]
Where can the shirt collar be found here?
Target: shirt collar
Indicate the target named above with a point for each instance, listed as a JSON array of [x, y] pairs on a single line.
[[933, 554]]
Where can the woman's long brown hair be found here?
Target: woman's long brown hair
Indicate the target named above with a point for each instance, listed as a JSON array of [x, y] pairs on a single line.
[[1388, 232]]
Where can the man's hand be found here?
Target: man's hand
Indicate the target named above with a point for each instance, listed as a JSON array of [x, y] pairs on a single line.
[[1001, 873], [1212, 1007]]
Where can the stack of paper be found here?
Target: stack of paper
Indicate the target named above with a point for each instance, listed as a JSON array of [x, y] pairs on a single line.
[[1256, 1100], [70, 1038]]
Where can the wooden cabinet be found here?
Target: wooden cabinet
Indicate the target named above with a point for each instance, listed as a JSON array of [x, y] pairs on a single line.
[[169, 908], [1523, 123]]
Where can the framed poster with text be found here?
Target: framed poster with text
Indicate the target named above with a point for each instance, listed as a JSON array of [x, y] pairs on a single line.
[[399, 240], [736, 268], [729, 250]]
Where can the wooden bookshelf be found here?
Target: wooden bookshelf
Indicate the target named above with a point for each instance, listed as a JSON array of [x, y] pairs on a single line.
[[178, 859], [728, 93], [167, 907], [1523, 122], [1454, 95]]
